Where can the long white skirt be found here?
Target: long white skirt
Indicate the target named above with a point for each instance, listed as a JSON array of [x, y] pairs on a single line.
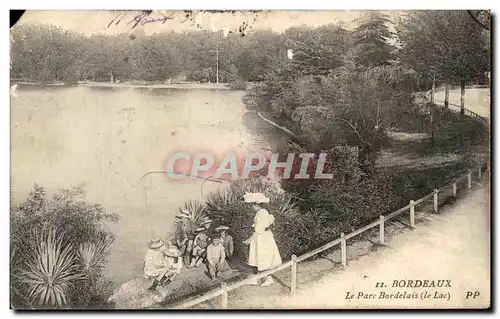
[[264, 253]]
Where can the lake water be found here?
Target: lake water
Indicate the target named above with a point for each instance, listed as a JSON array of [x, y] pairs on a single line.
[[107, 138]]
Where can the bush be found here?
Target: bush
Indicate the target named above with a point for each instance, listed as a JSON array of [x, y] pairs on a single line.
[[308, 213], [62, 239], [413, 184], [238, 84]]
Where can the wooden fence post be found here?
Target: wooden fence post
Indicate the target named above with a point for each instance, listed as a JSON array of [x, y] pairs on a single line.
[[479, 173], [454, 188], [469, 179], [436, 192], [224, 296], [343, 249], [382, 229], [412, 213], [293, 286]]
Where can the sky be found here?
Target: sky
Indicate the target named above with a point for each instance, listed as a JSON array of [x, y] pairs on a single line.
[[91, 22]]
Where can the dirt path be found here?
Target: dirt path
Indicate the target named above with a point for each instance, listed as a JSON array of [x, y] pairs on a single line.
[[476, 100], [453, 245]]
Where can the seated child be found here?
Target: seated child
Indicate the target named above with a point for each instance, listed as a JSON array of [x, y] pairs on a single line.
[[200, 244], [216, 258]]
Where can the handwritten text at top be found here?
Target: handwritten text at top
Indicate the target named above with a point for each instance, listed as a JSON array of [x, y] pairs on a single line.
[[142, 18]]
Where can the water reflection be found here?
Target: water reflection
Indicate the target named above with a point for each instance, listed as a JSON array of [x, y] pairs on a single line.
[[108, 137]]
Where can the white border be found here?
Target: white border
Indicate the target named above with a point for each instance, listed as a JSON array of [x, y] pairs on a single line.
[[186, 4]]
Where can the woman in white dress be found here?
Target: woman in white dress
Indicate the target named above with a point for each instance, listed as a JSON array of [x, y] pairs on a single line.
[[263, 253]]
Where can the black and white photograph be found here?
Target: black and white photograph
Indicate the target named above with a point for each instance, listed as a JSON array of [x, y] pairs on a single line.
[[250, 159]]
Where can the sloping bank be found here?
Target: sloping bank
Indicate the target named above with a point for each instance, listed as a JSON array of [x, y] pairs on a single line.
[[458, 235], [134, 293]]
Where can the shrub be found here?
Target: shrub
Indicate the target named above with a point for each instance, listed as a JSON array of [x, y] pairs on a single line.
[[51, 270], [238, 84], [67, 240], [190, 216]]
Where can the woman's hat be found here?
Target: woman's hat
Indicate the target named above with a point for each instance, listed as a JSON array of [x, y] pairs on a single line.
[[255, 198], [173, 252], [200, 229], [221, 227], [156, 243]]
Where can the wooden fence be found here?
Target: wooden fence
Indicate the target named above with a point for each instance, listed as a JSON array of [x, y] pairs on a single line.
[[476, 117], [342, 241], [467, 87]]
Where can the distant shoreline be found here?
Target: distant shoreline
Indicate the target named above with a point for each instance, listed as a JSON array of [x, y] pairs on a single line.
[[187, 85]]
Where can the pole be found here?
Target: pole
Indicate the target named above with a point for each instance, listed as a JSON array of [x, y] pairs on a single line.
[[224, 296], [462, 97], [382, 229], [293, 287], [412, 213], [433, 90], [343, 249], [447, 95], [469, 179], [217, 54], [436, 192]]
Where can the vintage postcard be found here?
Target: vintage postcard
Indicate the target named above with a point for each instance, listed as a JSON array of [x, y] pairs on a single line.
[[250, 160]]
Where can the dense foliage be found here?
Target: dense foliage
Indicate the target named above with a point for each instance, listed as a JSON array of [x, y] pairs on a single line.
[[342, 92], [447, 45], [47, 53], [59, 247]]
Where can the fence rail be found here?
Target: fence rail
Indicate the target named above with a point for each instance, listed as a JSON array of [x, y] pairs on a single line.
[[410, 208], [483, 120], [457, 87], [342, 240]]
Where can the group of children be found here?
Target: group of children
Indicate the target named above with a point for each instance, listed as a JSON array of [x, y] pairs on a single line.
[[216, 249], [163, 261]]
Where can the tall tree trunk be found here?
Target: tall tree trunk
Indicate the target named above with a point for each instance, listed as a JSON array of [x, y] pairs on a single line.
[[447, 95], [462, 97], [431, 111], [433, 90]]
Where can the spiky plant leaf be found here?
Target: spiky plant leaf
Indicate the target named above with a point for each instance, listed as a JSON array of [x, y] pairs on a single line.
[[193, 214], [92, 257], [51, 271]]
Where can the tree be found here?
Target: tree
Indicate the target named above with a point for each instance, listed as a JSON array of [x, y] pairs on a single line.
[[371, 40], [59, 247], [317, 51], [447, 45]]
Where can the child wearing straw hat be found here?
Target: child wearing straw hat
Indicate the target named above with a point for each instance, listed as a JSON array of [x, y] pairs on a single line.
[[161, 263], [200, 244], [227, 240]]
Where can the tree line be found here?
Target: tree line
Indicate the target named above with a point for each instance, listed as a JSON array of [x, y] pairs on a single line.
[[48, 53]]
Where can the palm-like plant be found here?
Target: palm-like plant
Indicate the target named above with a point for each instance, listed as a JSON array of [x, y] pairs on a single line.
[[51, 272], [193, 215], [92, 257]]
